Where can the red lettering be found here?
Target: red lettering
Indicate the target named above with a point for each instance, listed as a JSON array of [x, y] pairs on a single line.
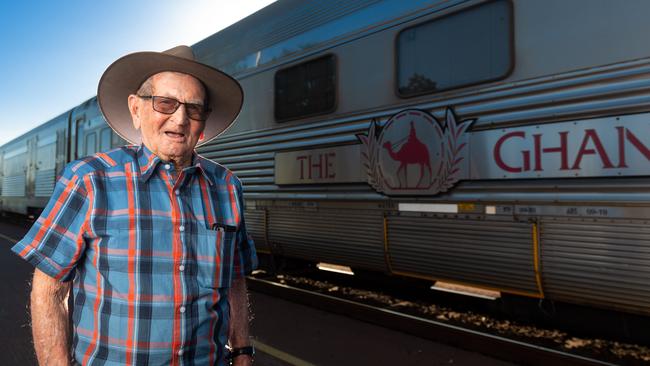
[[591, 134], [301, 159], [318, 166], [497, 151], [562, 149], [638, 144]]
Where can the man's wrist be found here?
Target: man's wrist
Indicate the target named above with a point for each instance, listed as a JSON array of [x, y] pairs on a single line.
[[241, 351]]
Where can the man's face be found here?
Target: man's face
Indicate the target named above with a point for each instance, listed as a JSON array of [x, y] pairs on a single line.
[[170, 136]]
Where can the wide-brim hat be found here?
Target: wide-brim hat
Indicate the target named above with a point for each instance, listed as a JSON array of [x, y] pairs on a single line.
[[124, 77]]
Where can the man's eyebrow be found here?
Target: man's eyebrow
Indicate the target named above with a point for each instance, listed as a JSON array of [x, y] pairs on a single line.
[[191, 101]]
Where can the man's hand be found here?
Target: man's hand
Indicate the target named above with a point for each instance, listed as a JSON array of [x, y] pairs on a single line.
[[243, 360], [49, 303]]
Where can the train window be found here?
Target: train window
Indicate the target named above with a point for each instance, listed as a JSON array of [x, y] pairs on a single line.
[[118, 141], [464, 48], [105, 139], [306, 89], [91, 143]]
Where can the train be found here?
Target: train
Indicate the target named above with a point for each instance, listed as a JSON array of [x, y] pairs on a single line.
[[497, 144]]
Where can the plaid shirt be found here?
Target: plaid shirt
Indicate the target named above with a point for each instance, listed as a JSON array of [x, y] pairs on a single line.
[[152, 259]]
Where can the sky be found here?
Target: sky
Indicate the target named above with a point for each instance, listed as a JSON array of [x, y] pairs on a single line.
[[52, 53]]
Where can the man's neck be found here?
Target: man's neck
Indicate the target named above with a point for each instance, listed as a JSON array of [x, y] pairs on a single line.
[[179, 162]]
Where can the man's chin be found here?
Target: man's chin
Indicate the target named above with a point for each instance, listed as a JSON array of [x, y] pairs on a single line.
[[176, 151]]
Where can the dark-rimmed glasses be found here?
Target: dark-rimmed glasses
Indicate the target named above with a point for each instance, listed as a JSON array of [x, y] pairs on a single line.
[[168, 105]]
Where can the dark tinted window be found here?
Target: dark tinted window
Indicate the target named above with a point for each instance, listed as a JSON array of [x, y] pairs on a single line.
[[468, 47], [306, 89]]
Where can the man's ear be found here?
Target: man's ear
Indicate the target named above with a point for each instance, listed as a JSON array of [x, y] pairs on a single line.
[[134, 108]]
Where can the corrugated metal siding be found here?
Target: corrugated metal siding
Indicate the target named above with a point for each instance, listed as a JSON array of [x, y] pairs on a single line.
[[13, 186], [347, 237], [44, 183], [490, 253], [597, 262], [608, 90], [255, 226]]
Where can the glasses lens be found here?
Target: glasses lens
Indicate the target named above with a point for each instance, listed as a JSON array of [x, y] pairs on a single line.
[[170, 105], [196, 111], [165, 105]]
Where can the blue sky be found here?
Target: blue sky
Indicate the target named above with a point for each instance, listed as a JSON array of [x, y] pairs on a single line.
[[54, 52]]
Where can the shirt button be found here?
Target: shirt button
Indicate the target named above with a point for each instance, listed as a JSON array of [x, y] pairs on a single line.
[[182, 309], [180, 352], [177, 192], [181, 268], [167, 166], [181, 228]]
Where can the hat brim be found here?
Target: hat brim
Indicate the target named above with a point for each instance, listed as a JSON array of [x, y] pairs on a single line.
[[124, 76]]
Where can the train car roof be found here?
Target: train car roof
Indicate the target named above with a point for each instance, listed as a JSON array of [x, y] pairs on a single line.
[[61, 117], [288, 27]]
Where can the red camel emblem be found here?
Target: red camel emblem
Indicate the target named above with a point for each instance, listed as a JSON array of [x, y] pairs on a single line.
[[413, 151], [438, 146]]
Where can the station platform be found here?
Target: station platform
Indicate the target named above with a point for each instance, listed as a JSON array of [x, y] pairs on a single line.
[[284, 333]]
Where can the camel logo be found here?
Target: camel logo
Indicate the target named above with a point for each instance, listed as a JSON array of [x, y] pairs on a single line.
[[414, 153]]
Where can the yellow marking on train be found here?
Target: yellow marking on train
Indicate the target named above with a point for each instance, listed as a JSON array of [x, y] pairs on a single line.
[[5, 237], [280, 355], [386, 252], [466, 207], [538, 275]]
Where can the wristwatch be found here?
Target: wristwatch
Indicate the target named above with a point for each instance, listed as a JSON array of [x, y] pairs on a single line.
[[248, 350]]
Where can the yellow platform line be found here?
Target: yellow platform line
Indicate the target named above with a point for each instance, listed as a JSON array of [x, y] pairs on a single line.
[[5, 237], [280, 355]]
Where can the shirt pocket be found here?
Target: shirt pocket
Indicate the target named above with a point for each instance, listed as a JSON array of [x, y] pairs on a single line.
[[214, 257]]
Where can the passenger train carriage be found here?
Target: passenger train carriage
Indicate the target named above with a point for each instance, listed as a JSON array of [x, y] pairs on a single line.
[[500, 144]]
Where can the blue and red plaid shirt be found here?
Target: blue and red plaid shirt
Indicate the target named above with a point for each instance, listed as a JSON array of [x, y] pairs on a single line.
[[152, 259]]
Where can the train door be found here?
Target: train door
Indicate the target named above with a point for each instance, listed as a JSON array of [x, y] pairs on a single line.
[[30, 174], [93, 136], [46, 159], [14, 177]]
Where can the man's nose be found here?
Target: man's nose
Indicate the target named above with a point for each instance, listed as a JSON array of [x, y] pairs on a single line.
[[180, 115]]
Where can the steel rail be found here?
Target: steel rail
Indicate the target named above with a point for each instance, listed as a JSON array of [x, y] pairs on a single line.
[[471, 340]]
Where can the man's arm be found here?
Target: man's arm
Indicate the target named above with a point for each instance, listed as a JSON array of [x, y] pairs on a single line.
[[49, 303], [238, 328]]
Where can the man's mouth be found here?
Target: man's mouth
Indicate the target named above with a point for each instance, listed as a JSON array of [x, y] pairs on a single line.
[[174, 135]]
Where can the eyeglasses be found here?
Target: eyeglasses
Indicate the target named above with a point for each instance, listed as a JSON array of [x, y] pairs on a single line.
[[169, 105]]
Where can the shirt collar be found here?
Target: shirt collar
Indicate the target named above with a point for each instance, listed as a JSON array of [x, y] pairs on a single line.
[[148, 163]]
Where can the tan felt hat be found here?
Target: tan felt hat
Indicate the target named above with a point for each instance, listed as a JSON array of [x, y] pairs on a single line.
[[124, 76]]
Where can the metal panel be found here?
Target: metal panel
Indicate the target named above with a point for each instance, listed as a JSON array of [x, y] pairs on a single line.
[[13, 186], [44, 186], [603, 263], [506, 105], [347, 237], [481, 252], [256, 227]]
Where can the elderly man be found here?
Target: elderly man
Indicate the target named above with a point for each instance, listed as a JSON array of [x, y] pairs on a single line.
[[152, 235]]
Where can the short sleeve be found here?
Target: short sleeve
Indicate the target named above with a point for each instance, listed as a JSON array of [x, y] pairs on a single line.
[[245, 259], [55, 242]]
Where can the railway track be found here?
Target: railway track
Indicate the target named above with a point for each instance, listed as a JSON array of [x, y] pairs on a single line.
[[472, 340]]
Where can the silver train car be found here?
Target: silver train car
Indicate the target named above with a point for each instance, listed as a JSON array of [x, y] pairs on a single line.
[[498, 144], [30, 163]]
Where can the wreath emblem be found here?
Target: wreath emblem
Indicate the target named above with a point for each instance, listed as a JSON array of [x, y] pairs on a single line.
[[415, 139]]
